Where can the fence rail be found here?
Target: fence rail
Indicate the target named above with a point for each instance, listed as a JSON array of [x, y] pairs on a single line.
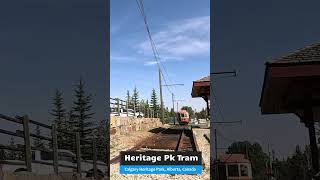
[[121, 107], [26, 148]]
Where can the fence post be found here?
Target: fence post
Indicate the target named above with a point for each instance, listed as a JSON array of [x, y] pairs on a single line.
[[127, 106], [94, 153], [78, 153], [118, 106], [27, 144], [134, 109], [55, 148]]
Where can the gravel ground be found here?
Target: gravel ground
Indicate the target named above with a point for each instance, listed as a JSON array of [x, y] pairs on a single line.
[[204, 147], [122, 142]]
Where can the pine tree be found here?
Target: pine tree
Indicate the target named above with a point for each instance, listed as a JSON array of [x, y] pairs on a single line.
[[37, 142], [102, 139], [59, 115], [147, 114], [141, 107], [128, 99], [12, 155], [135, 98], [154, 103], [71, 125], [83, 115], [3, 155]]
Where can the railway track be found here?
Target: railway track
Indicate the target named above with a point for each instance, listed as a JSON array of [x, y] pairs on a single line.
[[177, 138]]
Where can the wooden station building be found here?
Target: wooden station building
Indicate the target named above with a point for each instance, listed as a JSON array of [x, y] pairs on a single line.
[[292, 85]]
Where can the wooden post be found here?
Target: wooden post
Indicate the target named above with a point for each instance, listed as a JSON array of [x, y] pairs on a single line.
[[78, 153], [55, 148], [127, 107], [28, 155], [94, 153], [118, 106], [174, 117], [161, 98]]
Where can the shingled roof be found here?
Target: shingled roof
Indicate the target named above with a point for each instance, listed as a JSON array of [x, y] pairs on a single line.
[[309, 53], [233, 158], [207, 78]]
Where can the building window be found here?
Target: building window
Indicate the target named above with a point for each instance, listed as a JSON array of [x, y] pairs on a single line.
[[244, 170], [233, 170]]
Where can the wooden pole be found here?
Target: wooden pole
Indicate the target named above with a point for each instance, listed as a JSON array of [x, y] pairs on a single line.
[[28, 155], [55, 148], [118, 106], [174, 117], [127, 107], [161, 98]]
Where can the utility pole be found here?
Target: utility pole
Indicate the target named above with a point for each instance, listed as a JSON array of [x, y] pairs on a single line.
[[174, 118], [177, 107], [161, 98], [178, 104], [174, 121]]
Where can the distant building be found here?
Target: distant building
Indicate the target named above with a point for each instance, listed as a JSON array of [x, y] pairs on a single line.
[[234, 167]]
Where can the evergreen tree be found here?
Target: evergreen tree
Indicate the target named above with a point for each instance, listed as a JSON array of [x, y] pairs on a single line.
[[3, 155], [256, 155], [37, 142], [102, 139], [142, 107], [12, 155], [135, 99], [202, 114], [59, 115], [172, 113], [190, 110], [128, 99], [154, 103], [147, 110], [83, 115], [71, 126]]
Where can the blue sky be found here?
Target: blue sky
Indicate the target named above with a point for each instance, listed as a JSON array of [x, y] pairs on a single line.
[[180, 30]]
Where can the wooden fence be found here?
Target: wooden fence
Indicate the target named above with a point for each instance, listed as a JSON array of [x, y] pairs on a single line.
[[26, 136], [118, 104]]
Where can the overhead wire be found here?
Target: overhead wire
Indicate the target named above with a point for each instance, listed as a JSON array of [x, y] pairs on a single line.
[[153, 46]]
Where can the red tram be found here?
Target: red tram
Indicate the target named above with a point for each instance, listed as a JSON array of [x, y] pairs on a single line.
[[183, 117]]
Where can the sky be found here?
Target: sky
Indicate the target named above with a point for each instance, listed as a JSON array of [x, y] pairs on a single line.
[[46, 44], [247, 34], [181, 32]]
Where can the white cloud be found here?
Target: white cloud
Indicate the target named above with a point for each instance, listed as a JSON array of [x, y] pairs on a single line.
[[122, 58], [189, 37], [162, 59], [150, 63]]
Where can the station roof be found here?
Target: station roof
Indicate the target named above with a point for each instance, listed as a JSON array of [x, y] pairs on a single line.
[[233, 158], [201, 87], [288, 78]]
